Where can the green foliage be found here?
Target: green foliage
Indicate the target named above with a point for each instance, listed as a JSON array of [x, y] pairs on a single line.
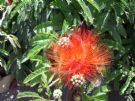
[[28, 94], [4, 53], [87, 12], [20, 20], [30, 27], [99, 94]]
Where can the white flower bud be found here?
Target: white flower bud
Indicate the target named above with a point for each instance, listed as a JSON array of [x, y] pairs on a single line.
[[57, 93], [64, 42], [77, 80]]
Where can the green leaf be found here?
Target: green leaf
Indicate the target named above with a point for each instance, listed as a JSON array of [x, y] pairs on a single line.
[[101, 91], [125, 4], [11, 38], [45, 84], [86, 97], [86, 10], [42, 38], [18, 7], [38, 58], [35, 81], [35, 50], [100, 94], [105, 88], [44, 79], [4, 52], [3, 64], [101, 21], [94, 3], [2, 2], [42, 28], [40, 100], [114, 45], [122, 30], [112, 75], [126, 85], [105, 19], [114, 33], [39, 42], [35, 74], [51, 78], [28, 94], [65, 10], [64, 27], [101, 98]]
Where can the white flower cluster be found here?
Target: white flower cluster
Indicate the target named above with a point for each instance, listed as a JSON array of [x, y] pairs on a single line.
[[77, 80], [64, 42], [57, 93]]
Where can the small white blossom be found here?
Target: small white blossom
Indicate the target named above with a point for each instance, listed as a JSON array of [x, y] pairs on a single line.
[[64, 42], [57, 93], [77, 80], [11, 97]]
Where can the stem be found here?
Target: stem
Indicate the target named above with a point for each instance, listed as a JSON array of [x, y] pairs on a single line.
[[54, 82], [70, 94]]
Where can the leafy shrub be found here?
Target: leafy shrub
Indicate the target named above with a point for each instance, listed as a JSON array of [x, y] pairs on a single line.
[[35, 24]]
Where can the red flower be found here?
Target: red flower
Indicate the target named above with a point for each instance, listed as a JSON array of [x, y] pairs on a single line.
[[79, 57]]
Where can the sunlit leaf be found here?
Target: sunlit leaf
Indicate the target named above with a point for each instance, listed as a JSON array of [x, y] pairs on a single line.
[[28, 94], [121, 30], [34, 74], [4, 52], [94, 3], [86, 10], [125, 85]]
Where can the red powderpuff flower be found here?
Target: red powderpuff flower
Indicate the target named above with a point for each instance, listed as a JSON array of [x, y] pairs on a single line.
[[79, 57]]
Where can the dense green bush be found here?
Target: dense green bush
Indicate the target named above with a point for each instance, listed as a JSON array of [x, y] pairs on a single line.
[[35, 24]]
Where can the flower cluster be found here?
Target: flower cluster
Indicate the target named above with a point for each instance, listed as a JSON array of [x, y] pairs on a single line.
[[79, 57], [77, 80], [64, 42], [57, 93]]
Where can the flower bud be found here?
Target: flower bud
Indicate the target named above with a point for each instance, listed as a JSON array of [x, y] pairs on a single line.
[[64, 42], [77, 80], [57, 93]]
